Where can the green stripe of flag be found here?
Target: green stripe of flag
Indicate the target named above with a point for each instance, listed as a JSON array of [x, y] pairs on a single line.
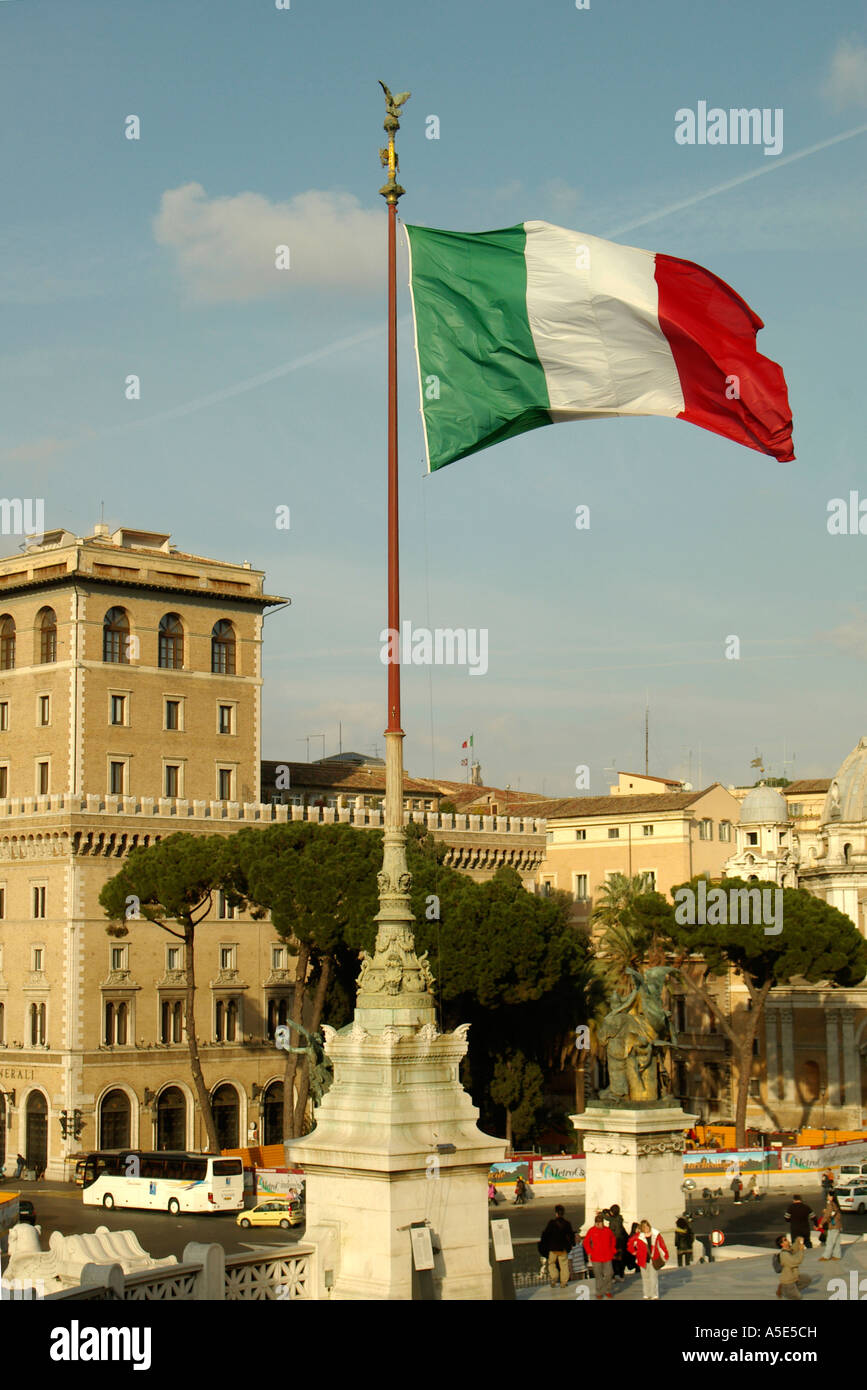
[[480, 378]]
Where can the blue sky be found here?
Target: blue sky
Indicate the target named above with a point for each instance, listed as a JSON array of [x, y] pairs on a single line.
[[259, 126]]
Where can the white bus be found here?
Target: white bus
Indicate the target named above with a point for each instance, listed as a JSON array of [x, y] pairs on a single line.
[[171, 1182]]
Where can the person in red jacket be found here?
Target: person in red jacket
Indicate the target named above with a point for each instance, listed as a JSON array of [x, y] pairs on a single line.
[[601, 1247], [647, 1245]]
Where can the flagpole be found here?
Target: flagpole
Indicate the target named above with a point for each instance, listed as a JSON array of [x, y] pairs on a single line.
[[394, 984]]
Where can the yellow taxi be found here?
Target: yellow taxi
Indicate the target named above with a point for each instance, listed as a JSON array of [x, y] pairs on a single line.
[[277, 1211]]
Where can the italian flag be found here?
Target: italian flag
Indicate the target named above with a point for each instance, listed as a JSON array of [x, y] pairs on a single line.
[[534, 325]]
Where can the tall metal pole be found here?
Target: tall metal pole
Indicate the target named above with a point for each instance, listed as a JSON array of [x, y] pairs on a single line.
[[394, 985]]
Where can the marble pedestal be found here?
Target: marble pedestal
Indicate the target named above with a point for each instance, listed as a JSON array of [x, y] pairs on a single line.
[[375, 1164], [635, 1158]]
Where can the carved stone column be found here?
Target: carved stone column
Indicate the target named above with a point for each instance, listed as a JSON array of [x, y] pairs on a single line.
[[851, 1062], [772, 1055], [788, 1056], [832, 1054]]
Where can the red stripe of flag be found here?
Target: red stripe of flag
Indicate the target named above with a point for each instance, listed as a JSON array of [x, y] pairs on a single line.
[[712, 335]]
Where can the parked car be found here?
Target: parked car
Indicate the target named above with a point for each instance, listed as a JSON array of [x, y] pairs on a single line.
[[853, 1197], [277, 1211], [26, 1212]]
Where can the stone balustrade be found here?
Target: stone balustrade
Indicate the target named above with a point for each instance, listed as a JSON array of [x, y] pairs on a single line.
[[281, 1274], [180, 809]]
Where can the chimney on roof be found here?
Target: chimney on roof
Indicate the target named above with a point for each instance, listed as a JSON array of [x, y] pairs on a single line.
[[100, 528]]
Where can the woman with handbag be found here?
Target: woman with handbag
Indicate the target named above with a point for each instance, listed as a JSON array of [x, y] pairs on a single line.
[[651, 1253]]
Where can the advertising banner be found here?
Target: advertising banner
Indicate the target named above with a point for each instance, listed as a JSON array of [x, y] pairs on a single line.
[[827, 1156], [730, 1161], [273, 1183], [511, 1171], [559, 1168]]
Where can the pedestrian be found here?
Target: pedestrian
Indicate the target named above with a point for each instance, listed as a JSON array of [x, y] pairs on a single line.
[[752, 1189], [651, 1252], [736, 1186], [618, 1230], [683, 1239], [492, 1194], [798, 1216], [21, 1162], [520, 1192], [790, 1257], [827, 1183], [601, 1247], [557, 1240], [832, 1225], [629, 1259]]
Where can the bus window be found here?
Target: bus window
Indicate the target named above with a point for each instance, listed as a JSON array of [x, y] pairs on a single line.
[[195, 1169], [223, 1167]]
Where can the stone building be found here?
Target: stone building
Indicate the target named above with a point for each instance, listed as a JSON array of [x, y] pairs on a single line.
[[810, 1068], [130, 707]]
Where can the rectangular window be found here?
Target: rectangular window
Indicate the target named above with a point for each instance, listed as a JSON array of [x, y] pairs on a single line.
[[547, 888], [115, 779], [705, 830], [647, 830], [226, 721], [752, 837], [4, 782], [225, 910], [44, 710], [613, 832], [649, 877], [580, 834], [4, 716], [172, 779], [725, 831], [42, 779], [173, 712], [227, 958], [278, 957], [581, 893], [173, 958], [117, 713], [38, 901], [118, 957], [224, 790], [38, 957], [796, 808]]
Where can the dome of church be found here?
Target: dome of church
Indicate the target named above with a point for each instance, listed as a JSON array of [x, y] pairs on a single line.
[[847, 796], [764, 805]]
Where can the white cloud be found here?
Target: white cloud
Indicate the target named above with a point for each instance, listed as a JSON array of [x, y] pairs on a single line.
[[225, 248], [846, 82]]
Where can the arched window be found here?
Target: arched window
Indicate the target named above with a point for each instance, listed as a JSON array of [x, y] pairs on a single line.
[[171, 653], [172, 1119], [847, 853], [116, 1022], [223, 648], [7, 643], [37, 1025], [226, 1108], [172, 1021], [272, 1114], [47, 636], [114, 1121], [115, 637]]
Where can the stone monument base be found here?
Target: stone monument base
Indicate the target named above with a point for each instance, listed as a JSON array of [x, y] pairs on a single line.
[[635, 1158], [396, 1144]]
